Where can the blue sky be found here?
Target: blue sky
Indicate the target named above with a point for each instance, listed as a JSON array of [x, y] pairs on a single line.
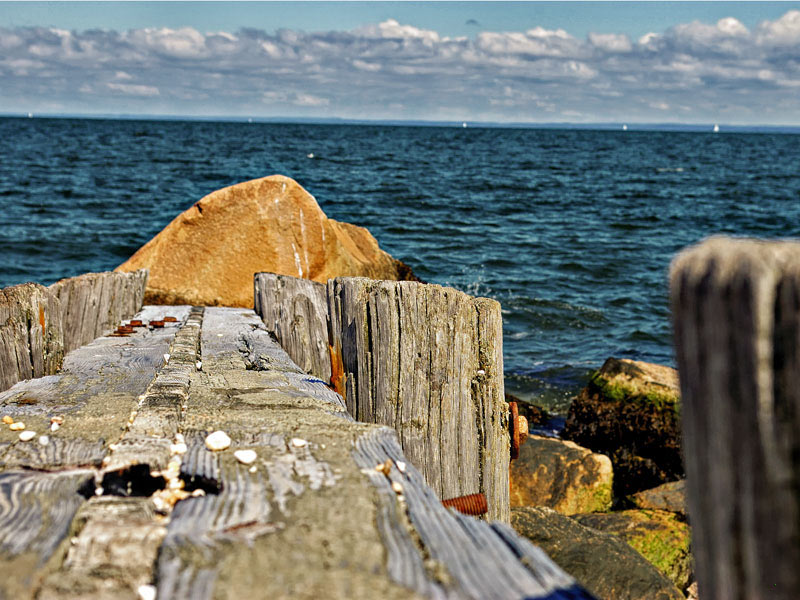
[[690, 62]]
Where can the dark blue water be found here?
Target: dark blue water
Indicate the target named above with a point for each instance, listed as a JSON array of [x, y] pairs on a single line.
[[572, 231]]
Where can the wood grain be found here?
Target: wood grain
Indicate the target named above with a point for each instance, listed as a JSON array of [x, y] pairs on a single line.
[[93, 304], [736, 315], [31, 333], [427, 361], [295, 311]]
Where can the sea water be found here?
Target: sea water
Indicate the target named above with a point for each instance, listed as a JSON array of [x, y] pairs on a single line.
[[572, 231]]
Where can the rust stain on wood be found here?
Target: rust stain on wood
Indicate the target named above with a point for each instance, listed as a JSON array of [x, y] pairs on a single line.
[[338, 378], [41, 317]]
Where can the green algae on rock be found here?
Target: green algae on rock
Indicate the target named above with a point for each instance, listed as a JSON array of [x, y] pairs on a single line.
[[658, 535], [562, 476], [602, 562], [630, 410]]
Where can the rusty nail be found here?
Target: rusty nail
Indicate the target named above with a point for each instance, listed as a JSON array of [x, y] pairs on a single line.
[[156, 323], [169, 320], [136, 323], [472, 504], [513, 429], [124, 329]]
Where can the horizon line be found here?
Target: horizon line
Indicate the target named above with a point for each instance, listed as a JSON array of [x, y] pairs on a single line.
[[459, 123]]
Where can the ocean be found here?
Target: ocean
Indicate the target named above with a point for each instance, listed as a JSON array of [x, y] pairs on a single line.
[[571, 230]]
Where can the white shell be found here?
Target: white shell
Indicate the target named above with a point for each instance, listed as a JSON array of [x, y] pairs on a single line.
[[44, 440], [397, 487], [18, 426], [246, 457], [146, 592], [218, 440], [299, 443], [55, 426], [401, 466], [27, 436]]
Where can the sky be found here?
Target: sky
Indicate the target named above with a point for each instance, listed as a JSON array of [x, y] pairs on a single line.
[[633, 62]]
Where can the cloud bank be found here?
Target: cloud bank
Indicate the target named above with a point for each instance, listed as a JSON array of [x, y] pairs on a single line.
[[693, 72]]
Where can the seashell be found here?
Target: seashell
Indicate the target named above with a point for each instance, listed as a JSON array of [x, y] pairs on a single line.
[[27, 436], [246, 457], [219, 440], [18, 426]]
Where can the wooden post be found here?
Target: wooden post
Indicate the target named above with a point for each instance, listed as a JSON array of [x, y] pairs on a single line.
[[295, 311], [736, 312], [94, 304], [427, 361], [31, 338]]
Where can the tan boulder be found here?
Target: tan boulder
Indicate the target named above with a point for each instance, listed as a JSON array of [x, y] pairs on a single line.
[[209, 253], [560, 475]]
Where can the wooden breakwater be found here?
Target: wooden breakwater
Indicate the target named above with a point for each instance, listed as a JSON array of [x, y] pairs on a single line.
[[736, 312], [423, 359], [38, 324], [126, 497]]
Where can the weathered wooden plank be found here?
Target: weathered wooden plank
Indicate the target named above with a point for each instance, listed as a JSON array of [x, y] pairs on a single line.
[[427, 361], [295, 311], [93, 304], [94, 394], [235, 337], [156, 421], [35, 513], [31, 337], [468, 557], [736, 314]]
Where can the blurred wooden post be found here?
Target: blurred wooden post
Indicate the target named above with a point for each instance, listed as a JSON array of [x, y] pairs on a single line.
[[428, 361], [31, 336], [295, 311], [93, 304], [736, 312]]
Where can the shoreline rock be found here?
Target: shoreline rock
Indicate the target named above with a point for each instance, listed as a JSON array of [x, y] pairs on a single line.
[[658, 535], [560, 475], [209, 254], [630, 410], [603, 563]]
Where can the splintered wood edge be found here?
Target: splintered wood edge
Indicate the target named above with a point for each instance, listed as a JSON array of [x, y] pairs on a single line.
[[415, 524]]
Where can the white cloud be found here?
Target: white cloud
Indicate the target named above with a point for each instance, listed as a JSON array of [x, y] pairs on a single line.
[[132, 89], [362, 72], [611, 42]]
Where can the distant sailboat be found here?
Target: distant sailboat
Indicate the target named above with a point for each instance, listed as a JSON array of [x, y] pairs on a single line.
[[716, 128], [464, 125], [624, 128], [30, 115]]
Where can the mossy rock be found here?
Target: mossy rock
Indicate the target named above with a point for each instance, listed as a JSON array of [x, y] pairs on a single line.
[[561, 475], [601, 562], [630, 411], [658, 535]]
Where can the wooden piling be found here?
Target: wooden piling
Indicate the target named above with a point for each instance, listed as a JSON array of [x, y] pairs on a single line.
[[427, 361], [93, 304], [295, 311], [31, 336], [736, 313]]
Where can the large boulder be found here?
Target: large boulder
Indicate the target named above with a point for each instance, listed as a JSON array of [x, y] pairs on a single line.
[[560, 475], [660, 536], [630, 410], [209, 253], [601, 562]]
